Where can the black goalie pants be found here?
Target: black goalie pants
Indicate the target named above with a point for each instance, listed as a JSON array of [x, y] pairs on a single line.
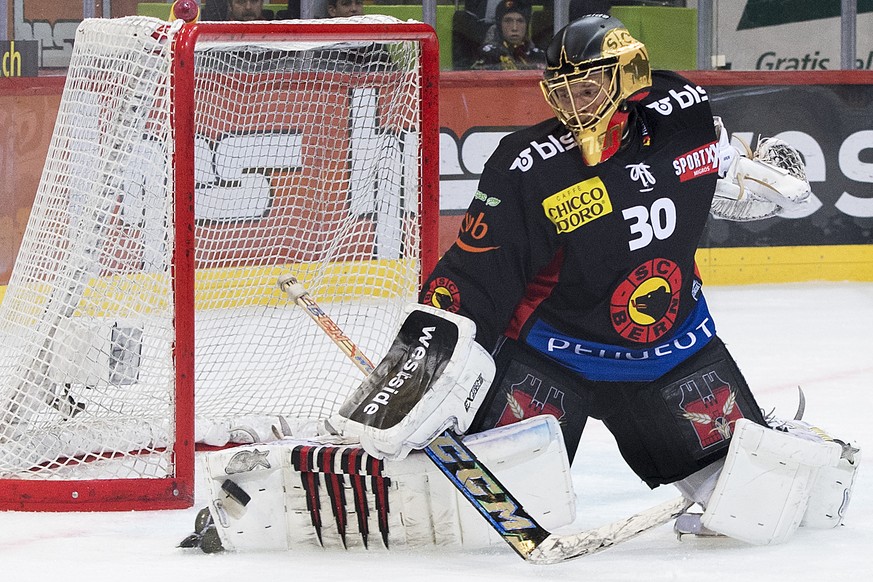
[[665, 430]]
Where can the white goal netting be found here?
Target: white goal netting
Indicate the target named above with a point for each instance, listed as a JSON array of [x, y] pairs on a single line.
[[305, 157]]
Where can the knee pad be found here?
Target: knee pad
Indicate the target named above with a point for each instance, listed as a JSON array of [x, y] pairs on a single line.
[[681, 423]]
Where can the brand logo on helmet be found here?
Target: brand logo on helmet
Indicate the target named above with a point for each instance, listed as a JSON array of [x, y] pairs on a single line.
[[615, 40], [577, 205], [637, 69], [685, 99]]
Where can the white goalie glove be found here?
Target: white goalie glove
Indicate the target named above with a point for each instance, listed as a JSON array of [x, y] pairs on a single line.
[[753, 186], [434, 377]]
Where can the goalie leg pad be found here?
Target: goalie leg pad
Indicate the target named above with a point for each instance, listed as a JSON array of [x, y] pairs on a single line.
[[765, 486], [832, 489], [337, 496], [831, 493], [249, 511], [529, 384], [434, 377]]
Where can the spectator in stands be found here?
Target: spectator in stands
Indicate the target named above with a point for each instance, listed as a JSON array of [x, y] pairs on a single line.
[[511, 47], [343, 8], [247, 10]]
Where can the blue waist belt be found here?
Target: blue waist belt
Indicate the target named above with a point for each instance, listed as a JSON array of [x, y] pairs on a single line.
[[605, 362]]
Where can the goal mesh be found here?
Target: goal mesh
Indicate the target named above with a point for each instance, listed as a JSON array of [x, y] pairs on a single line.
[[190, 166]]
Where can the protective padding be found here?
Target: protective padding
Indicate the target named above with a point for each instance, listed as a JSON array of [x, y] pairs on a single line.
[[765, 486], [308, 494], [832, 492], [434, 377]]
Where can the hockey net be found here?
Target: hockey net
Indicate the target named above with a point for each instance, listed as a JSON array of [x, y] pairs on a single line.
[[190, 166]]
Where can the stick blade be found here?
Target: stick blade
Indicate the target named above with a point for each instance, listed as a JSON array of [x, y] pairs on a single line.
[[559, 548]]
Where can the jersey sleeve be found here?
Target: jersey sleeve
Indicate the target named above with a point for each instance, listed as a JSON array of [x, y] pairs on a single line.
[[499, 248]]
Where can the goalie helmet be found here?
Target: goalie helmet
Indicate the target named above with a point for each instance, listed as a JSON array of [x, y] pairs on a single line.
[[593, 67]]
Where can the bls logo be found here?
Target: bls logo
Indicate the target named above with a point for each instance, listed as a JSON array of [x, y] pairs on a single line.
[[232, 173], [685, 99], [545, 150]]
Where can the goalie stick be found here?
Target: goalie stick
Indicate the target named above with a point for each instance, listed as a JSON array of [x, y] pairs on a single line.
[[478, 484]]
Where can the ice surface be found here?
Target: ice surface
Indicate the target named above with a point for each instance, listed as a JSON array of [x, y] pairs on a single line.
[[815, 335]]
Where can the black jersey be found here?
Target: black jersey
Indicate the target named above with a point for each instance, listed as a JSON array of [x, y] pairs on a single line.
[[592, 265]]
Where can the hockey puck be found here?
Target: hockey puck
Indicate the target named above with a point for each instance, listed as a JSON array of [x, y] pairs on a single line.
[[235, 492]]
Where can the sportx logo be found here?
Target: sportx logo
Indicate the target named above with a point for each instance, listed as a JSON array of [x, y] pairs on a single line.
[[696, 163], [545, 150], [684, 99]]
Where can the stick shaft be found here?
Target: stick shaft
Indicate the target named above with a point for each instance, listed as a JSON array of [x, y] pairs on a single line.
[[304, 300]]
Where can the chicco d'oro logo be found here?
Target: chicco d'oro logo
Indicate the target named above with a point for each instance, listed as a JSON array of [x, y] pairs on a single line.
[[442, 293], [577, 205], [645, 304]]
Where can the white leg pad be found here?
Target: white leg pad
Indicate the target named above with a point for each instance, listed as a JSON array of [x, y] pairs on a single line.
[[305, 493], [831, 493], [765, 486], [259, 523]]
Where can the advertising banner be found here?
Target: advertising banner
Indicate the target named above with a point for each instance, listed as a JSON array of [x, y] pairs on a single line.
[[827, 115], [788, 35]]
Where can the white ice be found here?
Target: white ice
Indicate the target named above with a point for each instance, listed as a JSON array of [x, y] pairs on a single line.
[[818, 336]]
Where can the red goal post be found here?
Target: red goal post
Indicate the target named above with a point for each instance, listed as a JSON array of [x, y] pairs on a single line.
[[189, 167]]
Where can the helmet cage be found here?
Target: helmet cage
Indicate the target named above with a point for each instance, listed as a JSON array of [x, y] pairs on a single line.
[[621, 72], [582, 99]]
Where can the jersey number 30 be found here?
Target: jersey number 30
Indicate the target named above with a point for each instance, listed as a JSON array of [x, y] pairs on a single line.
[[658, 222]]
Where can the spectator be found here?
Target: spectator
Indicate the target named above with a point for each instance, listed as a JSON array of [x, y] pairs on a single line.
[[247, 10], [511, 47], [343, 8]]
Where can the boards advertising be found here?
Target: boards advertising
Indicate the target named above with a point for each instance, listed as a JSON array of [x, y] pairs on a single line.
[[788, 35], [827, 115]]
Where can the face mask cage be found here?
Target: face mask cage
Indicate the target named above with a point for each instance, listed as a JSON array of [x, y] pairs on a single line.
[[584, 99], [571, 91]]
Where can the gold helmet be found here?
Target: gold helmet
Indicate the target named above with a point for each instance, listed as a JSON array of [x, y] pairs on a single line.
[[593, 67]]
